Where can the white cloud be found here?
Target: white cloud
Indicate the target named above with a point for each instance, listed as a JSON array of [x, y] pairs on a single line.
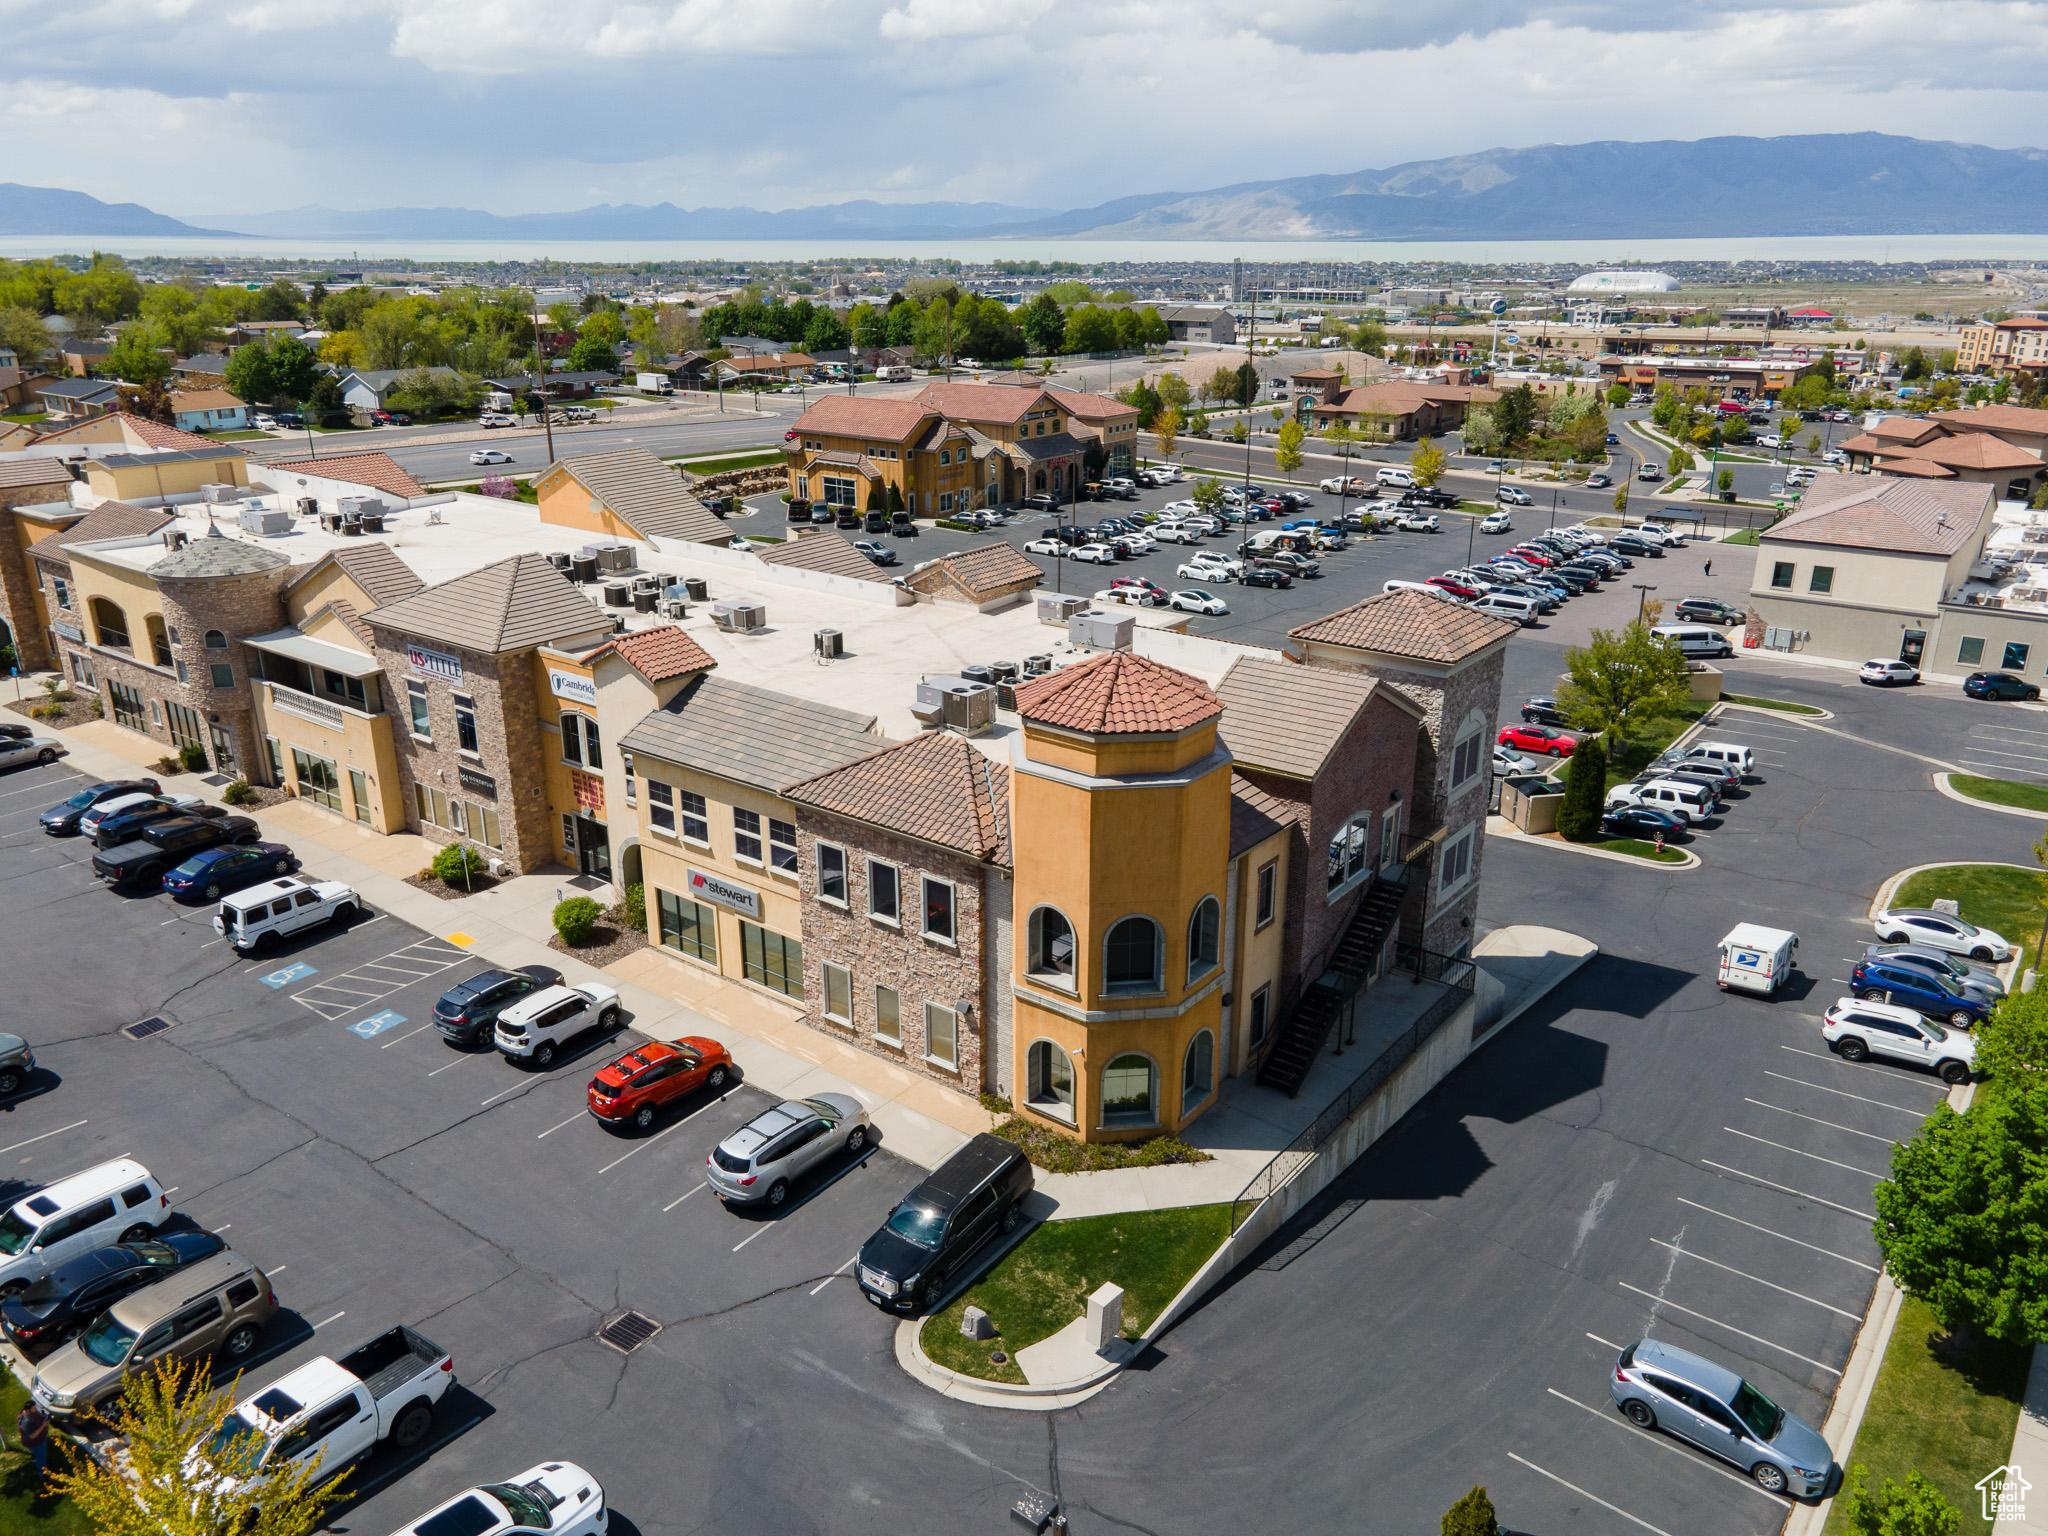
[[918, 21]]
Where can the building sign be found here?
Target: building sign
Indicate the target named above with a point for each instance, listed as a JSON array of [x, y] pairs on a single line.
[[430, 663], [573, 686], [589, 791], [69, 631], [725, 893], [477, 783]]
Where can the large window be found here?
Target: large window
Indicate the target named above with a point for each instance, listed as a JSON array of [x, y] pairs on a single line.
[[696, 816], [782, 845], [938, 909], [1133, 957], [465, 724], [1198, 1071], [1971, 651], [661, 806], [317, 779], [941, 1035], [1049, 944], [688, 927], [416, 705], [888, 1016], [1268, 898], [746, 835], [838, 993], [109, 625], [1260, 1019], [1822, 580], [1456, 868], [183, 723], [839, 490], [1348, 862], [771, 960], [1205, 938], [1781, 576], [832, 874], [1130, 1091], [1050, 1080], [2015, 659], [579, 742], [1466, 758], [127, 705], [884, 896]]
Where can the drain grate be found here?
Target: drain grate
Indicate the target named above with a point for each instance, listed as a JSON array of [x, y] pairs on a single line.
[[628, 1331], [150, 1026]]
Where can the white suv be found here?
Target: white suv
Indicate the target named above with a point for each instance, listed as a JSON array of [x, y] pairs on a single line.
[[535, 1028], [1208, 565], [251, 918], [1856, 1030]]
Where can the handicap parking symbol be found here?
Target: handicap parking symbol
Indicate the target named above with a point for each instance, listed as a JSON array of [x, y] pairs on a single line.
[[376, 1024], [284, 976]]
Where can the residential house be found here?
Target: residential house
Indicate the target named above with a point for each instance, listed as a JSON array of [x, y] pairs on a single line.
[[364, 390], [208, 410], [1401, 410], [770, 367], [20, 386], [203, 370], [1199, 323], [74, 399], [81, 359], [564, 385]]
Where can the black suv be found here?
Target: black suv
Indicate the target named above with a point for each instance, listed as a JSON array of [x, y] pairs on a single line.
[[1542, 710], [126, 826], [938, 1228], [467, 1013], [167, 843]]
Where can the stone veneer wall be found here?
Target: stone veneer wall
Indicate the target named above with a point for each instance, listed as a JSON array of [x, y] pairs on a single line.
[[18, 583], [236, 606]]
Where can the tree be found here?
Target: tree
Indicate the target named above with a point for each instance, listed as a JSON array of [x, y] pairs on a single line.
[[1912, 1508], [1145, 399], [1585, 792], [1207, 494], [153, 400], [1913, 366], [248, 374], [1166, 428], [324, 405], [1621, 498], [1617, 395], [1680, 461], [1515, 414], [23, 334], [282, 300], [1287, 454], [1472, 1515], [1091, 328], [1620, 676], [1174, 391], [1725, 482], [1044, 325], [164, 1415], [1240, 429], [1428, 463], [591, 355], [1220, 385], [2012, 1046], [293, 367], [1247, 389], [1370, 337], [826, 332], [135, 357], [605, 326]]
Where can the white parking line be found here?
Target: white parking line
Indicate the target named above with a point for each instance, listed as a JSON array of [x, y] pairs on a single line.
[[407, 1036], [650, 1141], [762, 1229], [842, 1269], [74, 1125], [1773, 1232], [1759, 1279], [1608, 1342], [458, 1061], [326, 1320], [1796, 1152], [1651, 1437], [44, 785], [2002, 770], [487, 1103], [1757, 1178], [2018, 757], [790, 1210], [1659, 1301], [1853, 1066], [1815, 1119], [544, 1135], [1582, 1493], [1994, 732], [1917, 1114], [695, 1189]]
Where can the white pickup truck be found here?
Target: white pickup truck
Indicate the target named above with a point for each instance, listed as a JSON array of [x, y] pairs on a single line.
[[337, 1410]]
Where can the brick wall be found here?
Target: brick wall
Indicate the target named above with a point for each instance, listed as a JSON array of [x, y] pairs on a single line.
[[18, 583]]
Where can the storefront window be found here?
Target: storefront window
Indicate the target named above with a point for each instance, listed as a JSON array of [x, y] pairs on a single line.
[[771, 960]]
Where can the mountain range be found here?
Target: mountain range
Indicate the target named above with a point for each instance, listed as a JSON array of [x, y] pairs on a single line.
[[1808, 184]]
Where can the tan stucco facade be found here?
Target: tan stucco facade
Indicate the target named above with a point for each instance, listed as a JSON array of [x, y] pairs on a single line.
[[146, 482]]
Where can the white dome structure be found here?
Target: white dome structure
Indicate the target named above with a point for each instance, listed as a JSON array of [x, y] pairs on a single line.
[[1624, 282]]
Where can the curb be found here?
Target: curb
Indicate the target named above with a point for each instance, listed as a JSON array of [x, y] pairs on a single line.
[[1499, 826], [1941, 782], [952, 1384], [1780, 714], [2008, 971]]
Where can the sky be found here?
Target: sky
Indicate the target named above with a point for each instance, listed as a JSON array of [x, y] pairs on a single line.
[[211, 107]]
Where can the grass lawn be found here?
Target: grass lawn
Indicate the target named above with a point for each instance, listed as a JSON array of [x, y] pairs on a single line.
[[28, 417], [21, 1511], [1783, 706], [1636, 848], [2008, 901], [241, 436], [2028, 797], [1946, 1413], [1742, 536], [1043, 1283], [757, 460]]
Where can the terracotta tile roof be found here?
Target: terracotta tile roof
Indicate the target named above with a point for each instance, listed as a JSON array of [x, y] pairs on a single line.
[[936, 788], [658, 654], [984, 572], [886, 421], [846, 459], [518, 603], [114, 520], [1917, 469], [825, 551], [379, 471], [1092, 407], [1411, 624], [1878, 512], [375, 567], [1904, 429], [1004, 403], [140, 433], [1119, 694], [1289, 718]]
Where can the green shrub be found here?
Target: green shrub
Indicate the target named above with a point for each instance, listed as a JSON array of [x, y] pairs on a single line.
[[636, 907], [192, 758], [457, 864], [1585, 793], [576, 920], [1472, 1515], [238, 793]]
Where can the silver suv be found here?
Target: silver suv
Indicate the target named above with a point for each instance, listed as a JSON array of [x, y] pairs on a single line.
[[1659, 1386], [757, 1163]]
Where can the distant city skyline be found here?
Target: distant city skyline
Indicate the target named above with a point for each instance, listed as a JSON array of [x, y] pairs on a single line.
[[207, 108]]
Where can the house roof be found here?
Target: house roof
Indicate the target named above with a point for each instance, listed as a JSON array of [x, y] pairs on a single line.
[[1118, 694], [1877, 512], [772, 361], [203, 362], [512, 605], [658, 654], [209, 454], [1410, 624], [39, 470], [1254, 816], [78, 389], [1997, 418], [845, 459], [1289, 718], [751, 735], [647, 494], [1001, 403], [379, 471], [382, 378], [888, 421], [823, 551], [1091, 407], [1054, 445], [373, 566], [138, 431], [985, 572], [223, 556], [204, 400], [114, 520], [936, 788]]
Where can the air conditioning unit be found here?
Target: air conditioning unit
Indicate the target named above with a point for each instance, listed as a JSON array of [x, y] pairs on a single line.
[[355, 508], [749, 617], [969, 708], [828, 644], [216, 494], [676, 608], [722, 615], [559, 559], [1094, 630], [615, 557], [1056, 608], [309, 506], [617, 594], [1037, 666], [265, 520], [1003, 671]]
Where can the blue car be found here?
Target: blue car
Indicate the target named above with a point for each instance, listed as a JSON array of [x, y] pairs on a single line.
[[1877, 981], [207, 875]]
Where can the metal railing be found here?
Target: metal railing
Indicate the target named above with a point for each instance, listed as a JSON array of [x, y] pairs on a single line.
[[1456, 976]]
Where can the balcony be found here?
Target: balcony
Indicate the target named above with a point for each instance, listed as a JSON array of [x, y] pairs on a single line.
[[304, 705]]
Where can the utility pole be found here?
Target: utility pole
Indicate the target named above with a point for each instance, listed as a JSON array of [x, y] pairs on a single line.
[[1642, 602], [540, 354]]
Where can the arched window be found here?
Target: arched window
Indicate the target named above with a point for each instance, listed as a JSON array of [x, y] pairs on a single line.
[[1049, 945], [216, 641], [1198, 1071], [159, 639], [1205, 938], [1133, 957], [110, 624], [1348, 862], [1130, 1091], [1051, 1080]]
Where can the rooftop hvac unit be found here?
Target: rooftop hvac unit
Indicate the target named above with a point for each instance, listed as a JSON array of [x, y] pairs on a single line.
[[697, 589], [748, 617], [1058, 607], [1037, 666], [828, 644], [722, 615], [617, 594], [355, 508], [559, 560], [615, 557], [977, 674], [647, 584], [676, 608], [1003, 671], [584, 568], [265, 520], [309, 506], [1099, 631], [216, 494], [969, 708]]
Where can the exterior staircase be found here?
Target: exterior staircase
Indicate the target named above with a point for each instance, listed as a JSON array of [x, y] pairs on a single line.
[[1301, 1035]]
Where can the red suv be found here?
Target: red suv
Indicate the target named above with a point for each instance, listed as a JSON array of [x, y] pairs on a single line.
[[632, 1090]]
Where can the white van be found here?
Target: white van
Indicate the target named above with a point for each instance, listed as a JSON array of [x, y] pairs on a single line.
[[1694, 641], [1726, 754], [1756, 959], [1507, 605], [1658, 534], [1690, 802], [264, 913], [116, 1202], [1399, 476]]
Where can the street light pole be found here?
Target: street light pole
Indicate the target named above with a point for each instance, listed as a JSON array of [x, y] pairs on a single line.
[[1642, 602]]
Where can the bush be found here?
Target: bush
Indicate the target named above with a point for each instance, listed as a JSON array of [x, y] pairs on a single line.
[[168, 765], [576, 920], [192, 758], [1585, 793], [238, 793], [636, 907], [1471, 1516], [457, 864]]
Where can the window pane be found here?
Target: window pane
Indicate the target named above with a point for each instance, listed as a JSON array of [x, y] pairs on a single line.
[[1781, 575], [1198, 1074], [2015, 656], [1822, 580], [782, 845], [882, 901], [746, 834], [1127, 1091], [938, 909], [888, 1015], [1132, 959], [838, 993], [941, 1034], [831, 873], [696, 817], [661, 811], [572, 740], [1971, 651]]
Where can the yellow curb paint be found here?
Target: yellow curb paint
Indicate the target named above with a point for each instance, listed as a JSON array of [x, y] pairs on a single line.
[[463, 939]]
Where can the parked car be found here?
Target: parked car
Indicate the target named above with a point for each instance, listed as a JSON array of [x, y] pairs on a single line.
[[1660, 1386], [757, 1164], [1544, 740], [61, 819], [55, 1307], [263, 421], [1644, 821], [1938, 930], [634, 1089], [118, 1201], [1427, 496], [934, 1236], [1541, 709], [534, 1029], [490, 456], [118, 823], [1505, 762], [1045, 546], [1135, 590], [879, 554], [496, 419], [1708, 610], [20, 751], [161, 846], [1266, 576], [264, 914], [1957, 973], [1512, 496], [1630, 544], [16, 1062], [556, 1498], [1299, 566], [1093, 554], [1857, 1031], [1340, 485], [1040, 501], [1211, 565], [1416, 522], [467, 1013], [390, 418], [1687, 799], [1882, 981], [1999, 685], [1888, 674], [1195, 600], [1452, 585], [1495, 522]]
